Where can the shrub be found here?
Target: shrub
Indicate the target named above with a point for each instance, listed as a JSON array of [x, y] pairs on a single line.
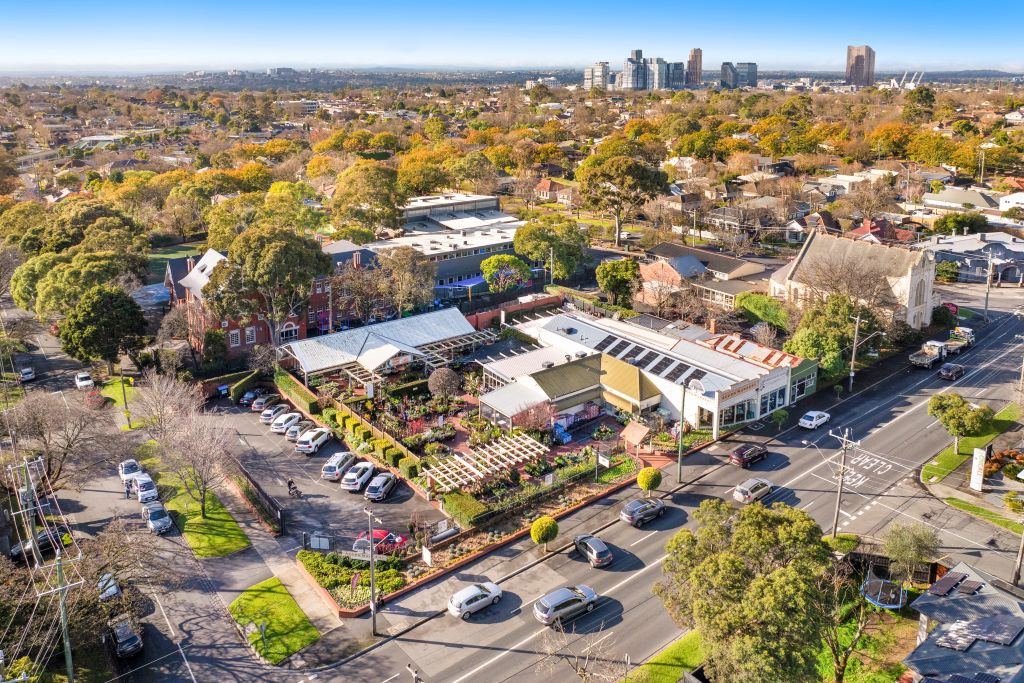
[[243, 385], [1013, 502], [762, 308], [463, 507], [544, 530], [943, 317], [409, 467], [434, 448], [330, 416], [363, 433], [648, 479], [301, 397], [351, 422], [392, 456], [380, 445]]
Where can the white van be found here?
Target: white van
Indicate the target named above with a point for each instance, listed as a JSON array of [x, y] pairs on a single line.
[[334, 469], [145, 488]]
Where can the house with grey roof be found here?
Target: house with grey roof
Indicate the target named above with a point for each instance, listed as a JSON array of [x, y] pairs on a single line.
[[958, 199], [973, 253], [717, 276]]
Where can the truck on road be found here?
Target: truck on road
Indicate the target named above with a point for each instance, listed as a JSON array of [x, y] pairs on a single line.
[[933, 352]]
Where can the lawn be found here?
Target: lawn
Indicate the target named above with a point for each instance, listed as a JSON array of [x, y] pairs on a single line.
[[615, 471], [112, 390], [947, 461], [11, 393], [216, 535], [158, 258], [986, 514], [843, 543], [669, 665], [889, 637], [287, 628]]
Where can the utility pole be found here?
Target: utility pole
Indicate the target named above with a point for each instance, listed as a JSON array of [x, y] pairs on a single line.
[[373, 578], [981, 180], [682, 423], [988, 284], [63, 589], [30, 490], [853, 354], [846, 445], [552, 265]]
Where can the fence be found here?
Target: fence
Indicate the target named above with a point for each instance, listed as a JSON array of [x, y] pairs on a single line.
[[375, 431], [262, 503], [484, 302], [485, 319]]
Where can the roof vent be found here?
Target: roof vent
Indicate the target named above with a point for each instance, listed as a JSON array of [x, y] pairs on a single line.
[[581, 354], [547, 364]]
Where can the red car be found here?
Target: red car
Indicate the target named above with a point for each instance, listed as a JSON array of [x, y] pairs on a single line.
[[384, 542]]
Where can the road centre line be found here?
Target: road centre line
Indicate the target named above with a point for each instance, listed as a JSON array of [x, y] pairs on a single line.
[[642, 539], [187, 665], [590, 647]]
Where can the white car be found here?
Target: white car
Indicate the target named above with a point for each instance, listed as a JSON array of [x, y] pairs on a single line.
[[335, 468], [473, 599], [26, 374], [814, 419], [273, 412], [283, 422], [83, 380], [310, 442], [752, 490], [357, 477], [129, 469], [145, 488]]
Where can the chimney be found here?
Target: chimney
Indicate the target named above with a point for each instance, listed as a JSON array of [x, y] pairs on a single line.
[[713, 326]]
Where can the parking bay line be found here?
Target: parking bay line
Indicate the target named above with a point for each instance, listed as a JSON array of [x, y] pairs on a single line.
[[642, 539]]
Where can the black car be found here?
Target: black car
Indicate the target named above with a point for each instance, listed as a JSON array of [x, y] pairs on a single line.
[[126, 635], [250, 396], [747, 454], [593, 549], [45, 542], [952, 371], [639, 512]]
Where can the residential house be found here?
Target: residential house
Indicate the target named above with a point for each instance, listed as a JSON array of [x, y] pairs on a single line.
[[972, 254], [819, 221], [547, 190], [717, 277], [879, 231], [1015, 118], [958, 199], [1011, 201]]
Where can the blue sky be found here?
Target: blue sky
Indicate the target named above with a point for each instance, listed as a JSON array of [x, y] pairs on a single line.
[[114, 35]]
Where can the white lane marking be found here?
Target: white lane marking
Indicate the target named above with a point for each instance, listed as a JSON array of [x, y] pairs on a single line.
[[391, 679], [845, 513], [187, 665], [642, 539], [588, 648], [161, 606]]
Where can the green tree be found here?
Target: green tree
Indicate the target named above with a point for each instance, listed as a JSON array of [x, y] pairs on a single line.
[[808, 343], [762, 308], [1014, 213], [779, 417], [956, 223], [269, 271], [620, 185], [928, 147], [433, 128], [947, 271], [551, 235], [368, 195], [619, 279], [544, 530], [230, 218], [409, 276], [907, 546], [61, 287], [104, 323], [918, 104], [748, 580], [648, 479], [26, 277], [504, 271], [958, 417], [420, 177]]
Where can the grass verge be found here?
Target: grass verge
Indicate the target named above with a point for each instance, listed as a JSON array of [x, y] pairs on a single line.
[[112, 390], [158, 258], [947, 461], [216, 535], [843, 543], [985, 514], [288, 630], [614, 472], [669, 665]]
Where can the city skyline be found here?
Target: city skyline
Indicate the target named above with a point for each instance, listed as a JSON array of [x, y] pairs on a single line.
[[74, 38]]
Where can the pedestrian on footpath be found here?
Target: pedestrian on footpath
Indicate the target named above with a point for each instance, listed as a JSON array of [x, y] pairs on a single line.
[[414, 673], [127, 489]]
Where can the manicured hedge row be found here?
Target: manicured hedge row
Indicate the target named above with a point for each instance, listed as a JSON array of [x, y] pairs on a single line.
[[463, 507], [243, 385], [409, 467], [302, 397]]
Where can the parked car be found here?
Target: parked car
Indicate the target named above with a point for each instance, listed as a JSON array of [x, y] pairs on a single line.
[[261, 403], [281, 423], [129, 469], [473, 599], [298, 429], [564, 603], [813, 419], [26, 374], [126, 635], [108, 587], [335, 468], [45, 541], [273, 412], [250, 396], [145, 488], [310, 442], [357, 477], [380, 486], [594, 550], [384, 542], [83, 380], [752, 490], [639, 512], [747, 454], [155, 515], [952, 371]]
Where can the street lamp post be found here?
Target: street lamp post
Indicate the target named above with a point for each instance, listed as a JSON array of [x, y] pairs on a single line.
[[856, 343], [846, 445], [373, 578]]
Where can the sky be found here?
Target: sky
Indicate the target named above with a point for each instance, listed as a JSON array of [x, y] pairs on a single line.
[[119, 36]]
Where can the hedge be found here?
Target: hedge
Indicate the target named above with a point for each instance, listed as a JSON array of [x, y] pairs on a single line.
[[351, 422], [380, 445], [409, 467], [330, 416], [302, 397], [392, 456], [335, 572], [243, 385], [363, 433], [418, 386], [463, 507]]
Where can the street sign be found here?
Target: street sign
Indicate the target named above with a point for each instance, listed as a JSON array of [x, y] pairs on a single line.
[[978, 469], [549, 479], [603, 461], [427, 557]]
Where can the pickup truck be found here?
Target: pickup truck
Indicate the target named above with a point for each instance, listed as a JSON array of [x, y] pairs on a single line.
[[935, 351]]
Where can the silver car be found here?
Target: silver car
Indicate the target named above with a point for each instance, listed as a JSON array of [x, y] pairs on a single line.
[[157, 519], [564, 603], [752, 490], [273, 412], [473, 599], [380, 486]]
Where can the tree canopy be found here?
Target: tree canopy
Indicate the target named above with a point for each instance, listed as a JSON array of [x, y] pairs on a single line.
[[504, 272], [619, 185], [104, 323], [619, 279], [562, 237]]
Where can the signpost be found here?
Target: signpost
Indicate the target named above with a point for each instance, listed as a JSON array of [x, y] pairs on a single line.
[[427, 557], [978, 469]]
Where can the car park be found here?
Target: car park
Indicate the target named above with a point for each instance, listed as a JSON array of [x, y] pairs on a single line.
[[273, 412], [357, 477], [281, 423], [83, 380], [384, 542], [952, 371], [155, 515], [298, 429], [26, 374], [380, 486], [752, 490], [594, 550], [474, 598], [335, 468], [642, 510], [564, 603], [126, 635], [814, 419], [310, 442], [263, 402], [145, 488], [129, 469], [747, 454], [108, 588], [250, 396], [45, 542]]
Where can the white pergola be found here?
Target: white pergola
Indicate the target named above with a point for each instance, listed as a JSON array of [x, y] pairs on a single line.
[[458, 470]]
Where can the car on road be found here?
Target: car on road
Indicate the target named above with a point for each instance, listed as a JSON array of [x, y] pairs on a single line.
[[642, 510], [145, 488], [261, 403], [335, 468], [298, 429], [273, 412], [564, 603], [26, 374], [596, 552], [380, 486], [126, 635], [83, 380], [813, 419], [384, 542], [108, 587], [281, 423], [310, 442], [155, 515], [952, 371], [747, 454], [250, 396], [45, 541], [129, 469], [357, 477], [752, 490], [473, 599]]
